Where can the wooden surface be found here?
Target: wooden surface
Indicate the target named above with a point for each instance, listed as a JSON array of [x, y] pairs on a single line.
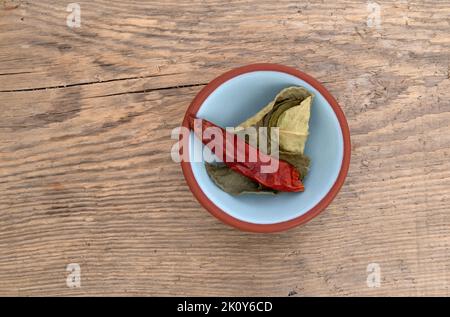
[[86, 175]]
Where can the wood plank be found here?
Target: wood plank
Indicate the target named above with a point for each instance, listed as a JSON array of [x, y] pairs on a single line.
[[86, 175]]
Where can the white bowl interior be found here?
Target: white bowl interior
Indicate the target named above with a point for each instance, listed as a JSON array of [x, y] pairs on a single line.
[[241, 97]]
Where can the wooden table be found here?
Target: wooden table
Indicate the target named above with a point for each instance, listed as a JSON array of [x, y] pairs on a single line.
[[86, 175]]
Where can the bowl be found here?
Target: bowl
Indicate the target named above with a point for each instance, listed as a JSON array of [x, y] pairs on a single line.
[[238, 94]]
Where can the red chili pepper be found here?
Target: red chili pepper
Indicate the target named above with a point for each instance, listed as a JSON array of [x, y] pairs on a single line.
[[286, 178]]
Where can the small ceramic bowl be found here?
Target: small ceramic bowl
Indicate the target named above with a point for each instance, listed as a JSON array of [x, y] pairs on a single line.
[[238, 94]]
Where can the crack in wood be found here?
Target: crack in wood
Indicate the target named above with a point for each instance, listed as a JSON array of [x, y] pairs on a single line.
[[85, 83], [16, 73], [148, 90]]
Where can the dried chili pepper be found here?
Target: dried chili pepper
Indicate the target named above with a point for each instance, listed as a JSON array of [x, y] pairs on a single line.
[[285, 178]]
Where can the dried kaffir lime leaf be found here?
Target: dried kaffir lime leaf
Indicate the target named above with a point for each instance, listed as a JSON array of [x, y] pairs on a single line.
[[290, 93], [290, 112], [232, 182], [293, 126]]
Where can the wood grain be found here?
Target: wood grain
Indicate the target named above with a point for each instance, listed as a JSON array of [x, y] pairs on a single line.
[[86, 175]]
